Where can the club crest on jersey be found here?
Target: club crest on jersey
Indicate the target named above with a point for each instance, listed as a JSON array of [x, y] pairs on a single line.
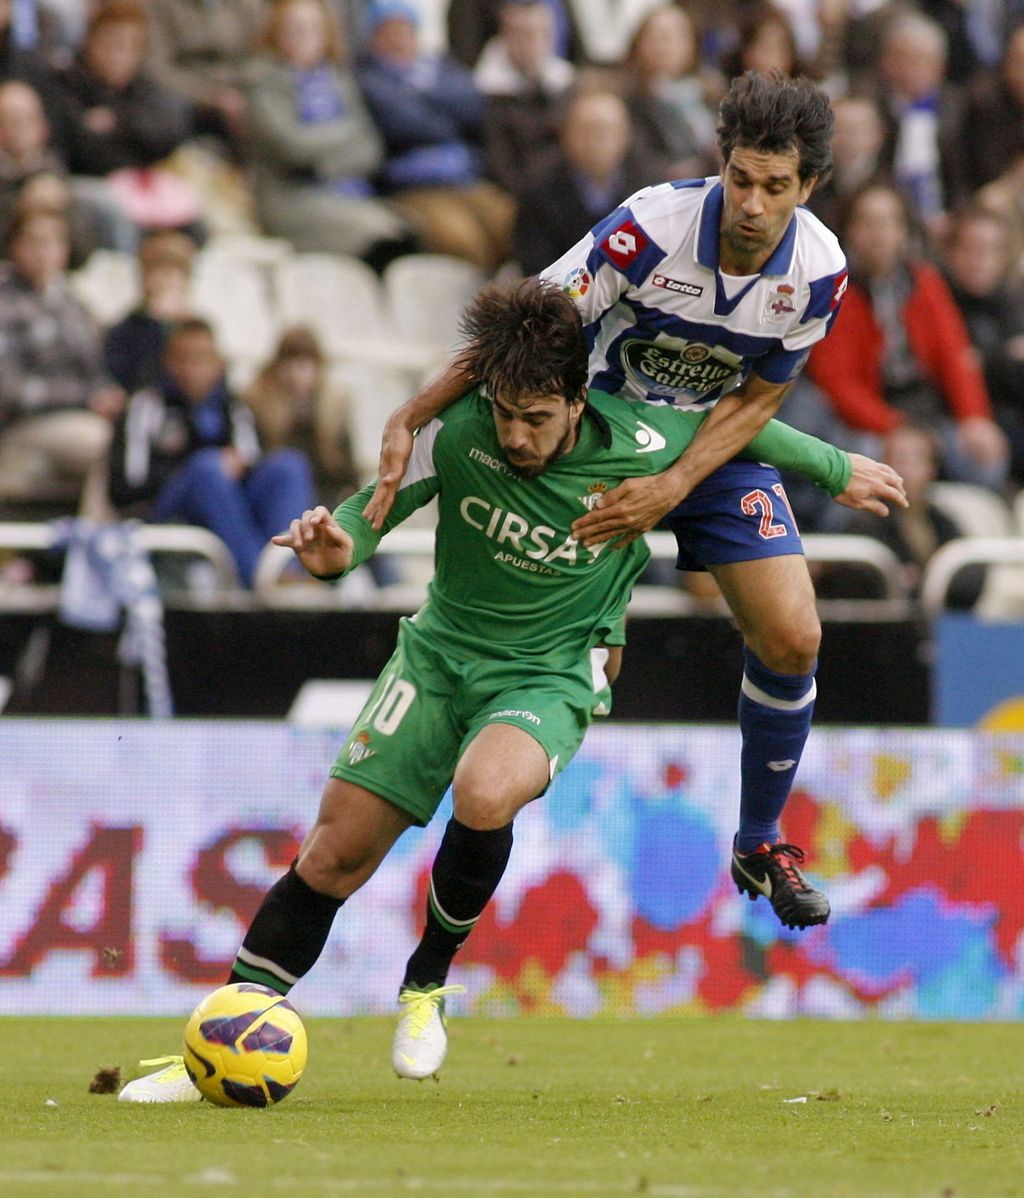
[[676, 285], [576, 283], [779, 303], [623, 245], [594, 493], [359, 749]]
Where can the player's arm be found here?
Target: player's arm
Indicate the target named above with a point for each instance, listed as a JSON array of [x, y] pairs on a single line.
[[397, 441], [331, 544], [850, 478], [635, 506]]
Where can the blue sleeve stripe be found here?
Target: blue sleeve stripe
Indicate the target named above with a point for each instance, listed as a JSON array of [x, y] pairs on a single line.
[[822, 293], [782, 366]]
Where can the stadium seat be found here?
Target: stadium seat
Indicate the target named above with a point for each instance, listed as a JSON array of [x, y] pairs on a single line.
[[231, 292], [976, 511], [374, 392], [107, 285], [340, 299], [426, 294]]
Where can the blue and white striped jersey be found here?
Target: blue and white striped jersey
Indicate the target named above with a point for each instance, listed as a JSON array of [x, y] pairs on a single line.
[[665, 325]]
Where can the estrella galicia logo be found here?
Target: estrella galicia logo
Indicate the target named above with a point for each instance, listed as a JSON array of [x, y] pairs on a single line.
[[679, 368]]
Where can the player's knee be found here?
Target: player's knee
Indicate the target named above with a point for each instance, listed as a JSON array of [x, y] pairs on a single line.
[[486, 808], [792, 648], [333, 863]]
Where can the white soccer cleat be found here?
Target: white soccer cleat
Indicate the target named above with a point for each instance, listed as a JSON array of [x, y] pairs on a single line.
[[421, 1040], [170, 1084]]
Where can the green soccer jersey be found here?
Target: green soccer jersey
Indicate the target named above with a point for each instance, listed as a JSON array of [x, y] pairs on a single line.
[[510, 580]]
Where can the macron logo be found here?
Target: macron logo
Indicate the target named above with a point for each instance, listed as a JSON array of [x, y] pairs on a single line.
[[649, 439]]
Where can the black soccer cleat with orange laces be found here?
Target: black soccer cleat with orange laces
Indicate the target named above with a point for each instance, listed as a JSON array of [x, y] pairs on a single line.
[[771, 870]]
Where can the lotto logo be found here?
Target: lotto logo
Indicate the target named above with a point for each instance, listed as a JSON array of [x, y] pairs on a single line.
[[623, 245], [839, 290]]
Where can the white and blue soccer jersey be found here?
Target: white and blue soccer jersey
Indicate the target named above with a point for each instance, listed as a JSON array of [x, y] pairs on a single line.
[[665, 325]]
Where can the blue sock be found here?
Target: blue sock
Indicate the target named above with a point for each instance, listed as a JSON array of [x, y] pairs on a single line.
[[775, 719]]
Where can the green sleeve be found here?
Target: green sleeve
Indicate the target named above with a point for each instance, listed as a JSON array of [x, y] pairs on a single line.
[[785, 447], [420, 486]]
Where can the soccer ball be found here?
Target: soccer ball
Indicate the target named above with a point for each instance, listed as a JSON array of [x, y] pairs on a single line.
[[245, 1046]]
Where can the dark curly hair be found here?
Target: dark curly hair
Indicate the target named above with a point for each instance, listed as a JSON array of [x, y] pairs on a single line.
[[524, 338], [773, 114]]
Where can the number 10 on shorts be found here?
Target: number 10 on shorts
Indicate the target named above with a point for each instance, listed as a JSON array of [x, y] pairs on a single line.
[[392, 703]]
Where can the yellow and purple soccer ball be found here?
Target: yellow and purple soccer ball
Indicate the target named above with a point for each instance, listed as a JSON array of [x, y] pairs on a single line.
[[245, 1046]]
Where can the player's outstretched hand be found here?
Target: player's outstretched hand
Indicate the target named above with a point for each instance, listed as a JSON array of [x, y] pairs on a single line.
[[395, 451], [872, 486], [319, 542], [625, 513]]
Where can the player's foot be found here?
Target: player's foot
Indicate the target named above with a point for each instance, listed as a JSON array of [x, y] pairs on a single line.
[[421, 1039], [170, 1084], [771, 870]]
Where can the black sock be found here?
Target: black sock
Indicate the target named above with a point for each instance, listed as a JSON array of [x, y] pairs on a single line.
[[287, 934], [466, 872]]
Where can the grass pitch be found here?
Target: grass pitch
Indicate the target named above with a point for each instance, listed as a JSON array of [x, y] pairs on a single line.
[[667, 1107]]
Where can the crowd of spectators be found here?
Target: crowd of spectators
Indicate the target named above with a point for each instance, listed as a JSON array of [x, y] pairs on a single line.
[[495, 131]]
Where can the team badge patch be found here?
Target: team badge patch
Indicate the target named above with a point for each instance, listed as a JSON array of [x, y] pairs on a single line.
[[360, 749], [624, 245], [576, 283], [594, 493], [779, 304]]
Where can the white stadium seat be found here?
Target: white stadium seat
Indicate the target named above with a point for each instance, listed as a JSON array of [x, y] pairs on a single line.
[[232, 294], [426, 294], [339, 298], [107, 285]]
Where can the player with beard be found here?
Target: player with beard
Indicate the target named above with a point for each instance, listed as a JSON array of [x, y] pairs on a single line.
[[496, 678]]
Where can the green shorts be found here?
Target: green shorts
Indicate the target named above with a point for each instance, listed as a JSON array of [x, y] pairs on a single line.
[[424, 711]]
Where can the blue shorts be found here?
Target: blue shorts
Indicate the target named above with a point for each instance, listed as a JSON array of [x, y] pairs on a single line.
[[737, 514]]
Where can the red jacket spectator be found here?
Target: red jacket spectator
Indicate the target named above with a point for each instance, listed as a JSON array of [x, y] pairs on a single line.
[[848, 364]]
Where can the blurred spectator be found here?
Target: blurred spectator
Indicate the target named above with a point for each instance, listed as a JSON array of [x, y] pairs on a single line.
[[765, 43], [56, 400], [981, 269], [473, 23], [995, 116], [820, 29], [1005, 196], [25, 63], [295, 407], [593, 170], [924, 148], [856, 157], [120, 124], [915, 532], [186, 451], [200, 50], [312, 144], [431, 115], [134, 347], [523, 80], [32, 177], [899, 349], [671, 100]]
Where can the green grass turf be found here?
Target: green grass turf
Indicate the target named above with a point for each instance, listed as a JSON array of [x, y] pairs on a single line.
[[668, 1107]]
